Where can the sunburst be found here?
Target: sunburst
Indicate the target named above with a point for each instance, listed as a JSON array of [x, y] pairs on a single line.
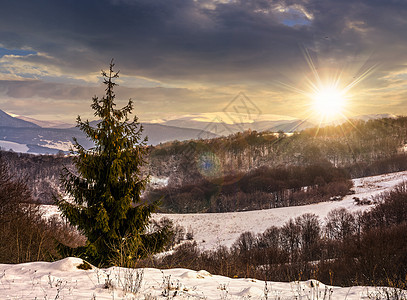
[[329, 96], [329, 102]]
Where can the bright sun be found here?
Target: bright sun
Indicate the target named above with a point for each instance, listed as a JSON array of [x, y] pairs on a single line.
[[327, 91], [329, 103]]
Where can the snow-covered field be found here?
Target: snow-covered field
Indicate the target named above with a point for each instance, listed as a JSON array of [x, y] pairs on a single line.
[[63, 280], [59, 145], [212, 230], [16, 147]]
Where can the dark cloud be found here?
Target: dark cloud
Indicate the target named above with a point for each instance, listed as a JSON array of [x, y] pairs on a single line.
[[210, 42], [40, 89], [178, 39], [59, 91]]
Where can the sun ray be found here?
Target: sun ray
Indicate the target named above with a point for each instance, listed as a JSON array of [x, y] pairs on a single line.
[[311, 65], [360, 78], [293, 88], [329, 93]]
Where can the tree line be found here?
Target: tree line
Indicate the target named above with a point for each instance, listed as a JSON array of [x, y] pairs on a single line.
[[24, 234], [356, 146], [345, 248], [261, 188]]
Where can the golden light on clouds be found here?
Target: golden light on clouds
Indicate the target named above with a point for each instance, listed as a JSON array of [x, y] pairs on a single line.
[[328, 93]]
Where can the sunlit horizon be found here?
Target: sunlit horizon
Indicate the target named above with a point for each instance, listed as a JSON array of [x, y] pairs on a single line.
[[194, 57]]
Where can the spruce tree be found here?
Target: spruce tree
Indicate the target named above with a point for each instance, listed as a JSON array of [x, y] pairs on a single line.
[[106, 186]]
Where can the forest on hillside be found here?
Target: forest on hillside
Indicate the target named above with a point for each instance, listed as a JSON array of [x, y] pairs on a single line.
[[255, 170], [345, 248], [261, 188], [362, 148], [249, 170]]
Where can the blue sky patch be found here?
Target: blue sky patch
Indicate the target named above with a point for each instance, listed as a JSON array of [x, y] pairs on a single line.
[[296, 21], [20, 52]]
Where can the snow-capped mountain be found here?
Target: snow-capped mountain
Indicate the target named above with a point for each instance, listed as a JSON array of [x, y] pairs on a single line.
[[25, 136], [46, 124], [9, 121], [226, 123]]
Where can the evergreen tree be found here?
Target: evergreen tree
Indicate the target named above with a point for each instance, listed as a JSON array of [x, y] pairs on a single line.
[[106, 186]]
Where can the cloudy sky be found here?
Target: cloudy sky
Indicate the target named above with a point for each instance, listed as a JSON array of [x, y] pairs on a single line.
[[179, 57]]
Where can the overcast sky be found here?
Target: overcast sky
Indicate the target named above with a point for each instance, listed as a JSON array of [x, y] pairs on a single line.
[[179, 57]]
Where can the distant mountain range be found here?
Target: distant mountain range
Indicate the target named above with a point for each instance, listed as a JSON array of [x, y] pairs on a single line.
[[23, 134], [225, 123], [9, 121], [46, 124], [360, 117], [18, 133], [374, 116]]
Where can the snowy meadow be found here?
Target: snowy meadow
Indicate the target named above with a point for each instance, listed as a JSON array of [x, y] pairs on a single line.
[[64, 280], [67, 279]]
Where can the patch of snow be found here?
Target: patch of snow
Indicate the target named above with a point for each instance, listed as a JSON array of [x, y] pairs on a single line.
[[68, 264], [16, 147], [60, 145], [159, 182], [63, 280], [49, 211], [251, 291]]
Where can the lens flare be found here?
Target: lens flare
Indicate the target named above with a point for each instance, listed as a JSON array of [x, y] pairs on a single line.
[[209, 165]]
